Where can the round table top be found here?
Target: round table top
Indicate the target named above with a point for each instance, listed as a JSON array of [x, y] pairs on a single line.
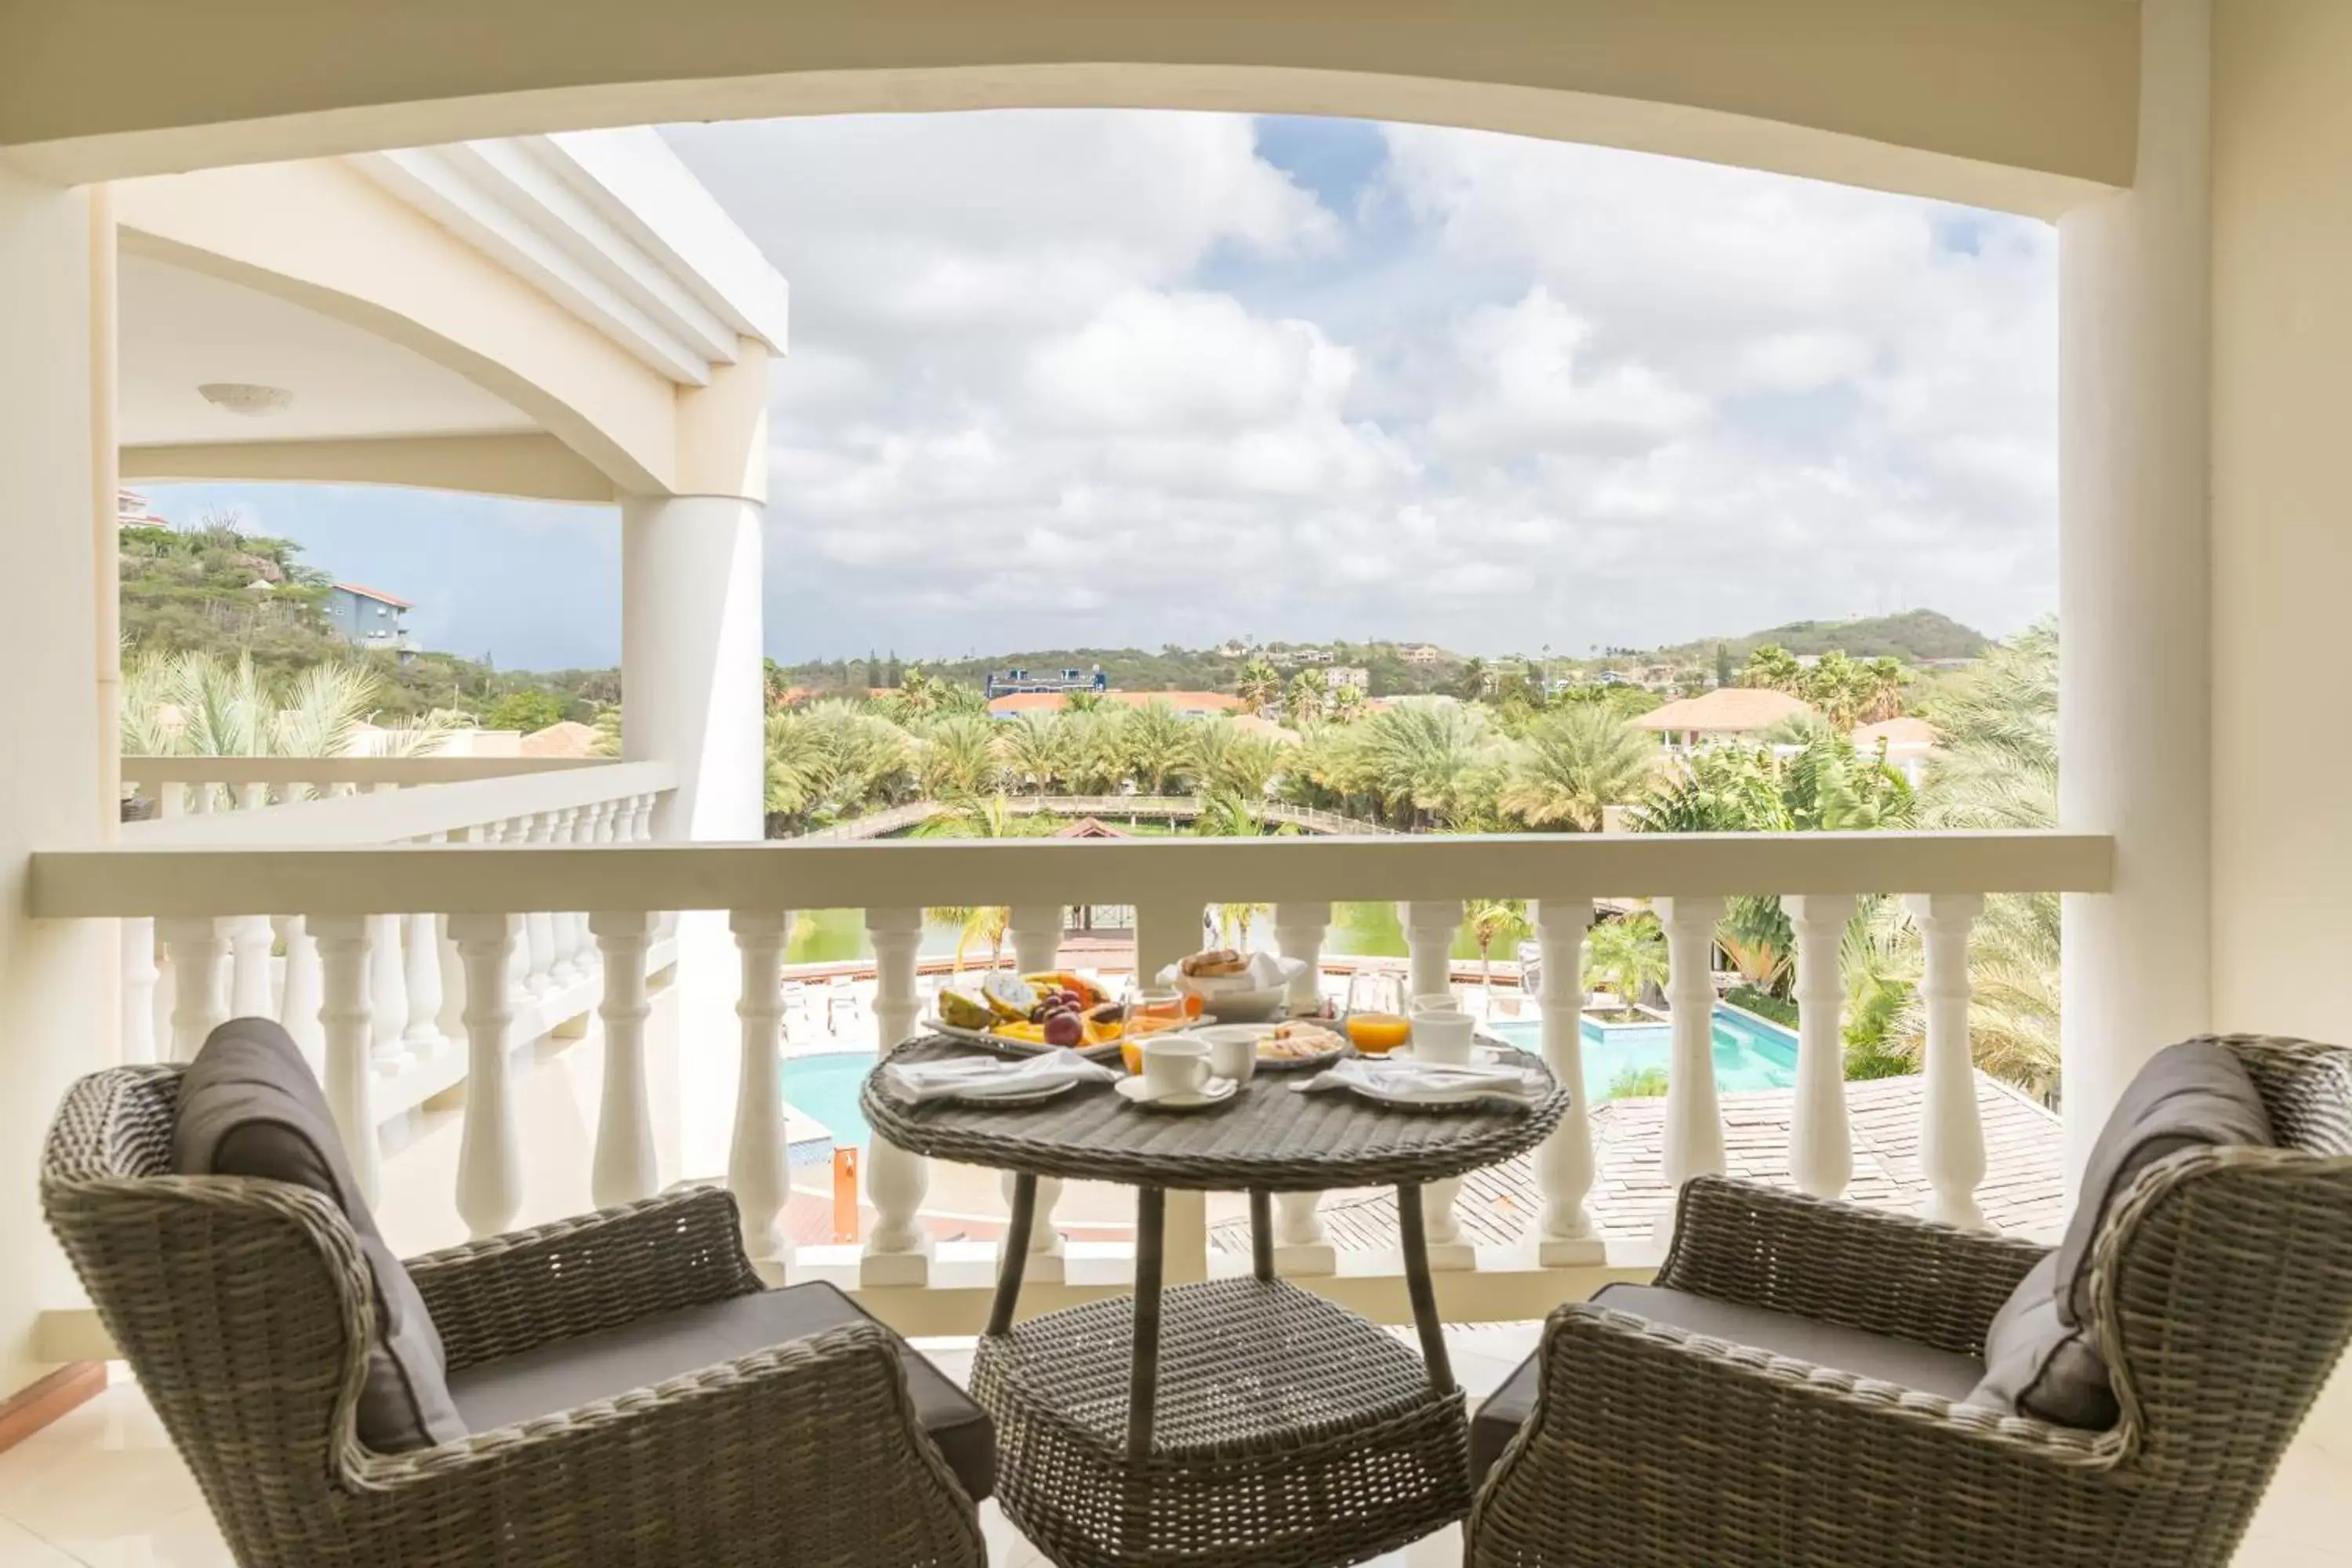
[[1267, 1138]]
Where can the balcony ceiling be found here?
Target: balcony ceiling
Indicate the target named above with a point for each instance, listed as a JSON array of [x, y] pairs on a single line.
[[181, 329]]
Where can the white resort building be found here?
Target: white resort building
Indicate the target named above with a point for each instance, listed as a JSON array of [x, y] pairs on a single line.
[[534, 985]]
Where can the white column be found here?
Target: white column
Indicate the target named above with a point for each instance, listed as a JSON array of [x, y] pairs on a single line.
[[387, 991], [299, 1004], [1820, 1139], [1036, 934], [249, 989], [349, 1040], [1952, 1135], [2139, 589], [690, 659], [1564, 1163], [756, 1160], [626, 1168], [1430, 928], [897, 1248], [138, 976], [489, 1151], [199, 1002], [1301, 1246], [1694, 1134]]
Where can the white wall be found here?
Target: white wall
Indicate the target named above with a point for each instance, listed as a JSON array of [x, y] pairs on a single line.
[[2133, 312], [52, 975], [2281, 569]]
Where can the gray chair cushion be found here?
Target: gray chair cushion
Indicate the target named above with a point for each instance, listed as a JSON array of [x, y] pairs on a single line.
[[2040, 1357], [2039, 1366], [2189, 1094], [1879, 1356], [568, 1373], [249, 1106]]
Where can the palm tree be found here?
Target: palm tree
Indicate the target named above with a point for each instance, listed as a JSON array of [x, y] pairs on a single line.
[[1226, 815], [1235, 920], [1999, 769], [989, 816], [1420, 755], [1347, 703], [1773, 667], [832, 760], [1096, 759], [1309, 691], [1228, 760], [1036, 750], [1491, 920], [958, 756], [1626, 957], [1471, 684], [1574, 763], [197, 704], [1259, 683], [1159, 745]]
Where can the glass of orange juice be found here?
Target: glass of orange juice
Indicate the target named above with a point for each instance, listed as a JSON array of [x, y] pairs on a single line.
[[1377, 1024]]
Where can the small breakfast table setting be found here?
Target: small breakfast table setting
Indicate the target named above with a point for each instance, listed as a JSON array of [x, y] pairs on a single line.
[[1193, 1421]]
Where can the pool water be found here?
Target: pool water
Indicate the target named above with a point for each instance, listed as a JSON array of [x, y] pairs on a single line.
[[824, 1087], [1749, 1052]]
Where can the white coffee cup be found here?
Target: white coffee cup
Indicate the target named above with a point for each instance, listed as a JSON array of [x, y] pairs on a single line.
[[1175, 1064], [1233, 1053], [1443, 1035]]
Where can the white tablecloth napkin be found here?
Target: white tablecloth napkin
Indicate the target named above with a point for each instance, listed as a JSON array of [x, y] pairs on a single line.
[[986, 1077], [1432, 1081]]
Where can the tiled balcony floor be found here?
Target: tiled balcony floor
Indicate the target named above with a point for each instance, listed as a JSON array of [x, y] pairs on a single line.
[[103, 1489]]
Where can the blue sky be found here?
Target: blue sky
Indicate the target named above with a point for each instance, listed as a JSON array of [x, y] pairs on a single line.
[[1125, 378]]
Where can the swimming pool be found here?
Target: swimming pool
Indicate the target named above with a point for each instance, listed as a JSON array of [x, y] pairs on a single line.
[[1749, 1052], [824, 1087]]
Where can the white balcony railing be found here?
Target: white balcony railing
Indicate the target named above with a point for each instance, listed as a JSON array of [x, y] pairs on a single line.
[[206, 888], [183, 976]]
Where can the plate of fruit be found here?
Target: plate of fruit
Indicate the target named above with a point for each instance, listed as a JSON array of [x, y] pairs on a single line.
[[1024, 1015]]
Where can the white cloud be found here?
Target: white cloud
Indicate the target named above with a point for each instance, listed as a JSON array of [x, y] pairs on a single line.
[[1112, 377]]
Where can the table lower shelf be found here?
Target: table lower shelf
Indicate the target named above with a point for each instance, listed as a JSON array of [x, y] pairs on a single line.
[[1289, 1433]]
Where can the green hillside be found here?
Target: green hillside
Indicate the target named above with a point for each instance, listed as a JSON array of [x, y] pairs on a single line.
[[1914, 636]]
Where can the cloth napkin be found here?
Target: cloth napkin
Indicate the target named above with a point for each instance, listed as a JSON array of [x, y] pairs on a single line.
[[1264, 973], [986, 1077], [1430, 1081]]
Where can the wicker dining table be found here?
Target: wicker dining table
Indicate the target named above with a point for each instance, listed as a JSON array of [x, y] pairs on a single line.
[[1237, 1419]]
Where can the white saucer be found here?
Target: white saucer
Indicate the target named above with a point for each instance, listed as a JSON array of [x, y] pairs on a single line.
[[1135, 1093]]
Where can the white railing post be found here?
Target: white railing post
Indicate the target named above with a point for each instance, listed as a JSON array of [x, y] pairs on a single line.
[[1301, 1246], [1165, 932], [452, 1019], [562, 933], [490, 1150], [1565, 1236], [1820, 1137], [540, 924], [199, 1003], [1951, 1134], [387, 991], [250, 991], [1036, 930], [626, 1168], [1430, 927], [1693, 1132], [139, 974], [299, 1003], [422, 984], [897, 1248], [349, 1040], [756, 1159]]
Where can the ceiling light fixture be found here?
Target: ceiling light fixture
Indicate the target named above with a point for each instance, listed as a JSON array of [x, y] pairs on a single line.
[[245, 398]]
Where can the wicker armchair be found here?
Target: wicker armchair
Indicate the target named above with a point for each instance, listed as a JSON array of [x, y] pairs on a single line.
[[2222, 1297], [245, 1307]]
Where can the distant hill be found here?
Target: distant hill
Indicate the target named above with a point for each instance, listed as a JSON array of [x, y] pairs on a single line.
[[1914, 636]]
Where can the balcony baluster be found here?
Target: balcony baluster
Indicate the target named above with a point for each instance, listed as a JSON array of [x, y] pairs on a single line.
[[755, 1160], [1431, 926], [1564, 1164], [1820, 1137], [199, 1003], [1301, 1245], [897, 1249], [1694, 1134], [490, 1151], [349, 1035], [626, 1168], [1952, 1135], [1036, 934]]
